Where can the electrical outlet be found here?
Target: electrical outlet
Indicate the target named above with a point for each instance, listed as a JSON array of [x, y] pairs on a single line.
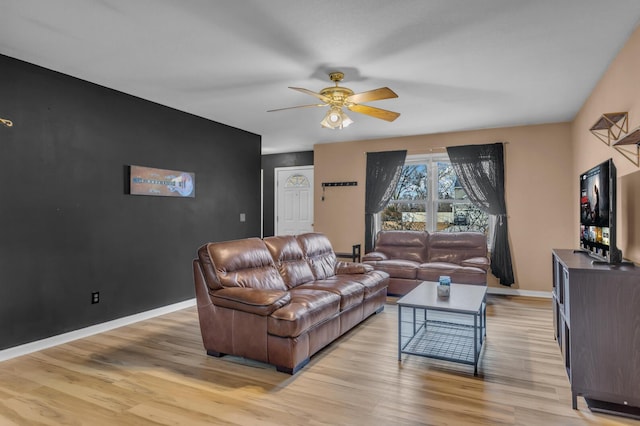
[[95, 297]]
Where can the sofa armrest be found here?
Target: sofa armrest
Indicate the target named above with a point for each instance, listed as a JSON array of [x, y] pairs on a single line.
[[352, 268], [478, 262], [374, 255], [252, 300]]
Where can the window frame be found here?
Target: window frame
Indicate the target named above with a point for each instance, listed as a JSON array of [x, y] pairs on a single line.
[[433, 199]]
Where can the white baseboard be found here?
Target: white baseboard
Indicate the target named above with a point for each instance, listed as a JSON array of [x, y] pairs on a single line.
[[49, 342], [517, 292]]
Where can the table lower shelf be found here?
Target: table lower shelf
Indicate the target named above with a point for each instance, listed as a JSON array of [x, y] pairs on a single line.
[[443, 340], [440, 334]]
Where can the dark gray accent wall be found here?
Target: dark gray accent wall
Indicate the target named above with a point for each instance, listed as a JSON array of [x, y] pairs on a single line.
[[269, 163], [68, 228]]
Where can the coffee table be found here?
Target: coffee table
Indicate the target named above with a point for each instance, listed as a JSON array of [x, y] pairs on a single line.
[[451, 329]]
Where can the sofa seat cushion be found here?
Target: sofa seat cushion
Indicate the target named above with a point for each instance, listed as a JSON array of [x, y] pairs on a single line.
[[352, 268], [459, 274], [307, 308], [351, 292], [397, 268], [372, 282]]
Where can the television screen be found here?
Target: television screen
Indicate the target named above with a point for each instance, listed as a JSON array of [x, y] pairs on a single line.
[[597, 210]]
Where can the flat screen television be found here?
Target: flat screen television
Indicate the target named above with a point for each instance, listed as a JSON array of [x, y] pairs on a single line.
[[598, 212]]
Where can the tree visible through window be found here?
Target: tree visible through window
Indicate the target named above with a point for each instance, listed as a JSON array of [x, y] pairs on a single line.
[[429, 197]]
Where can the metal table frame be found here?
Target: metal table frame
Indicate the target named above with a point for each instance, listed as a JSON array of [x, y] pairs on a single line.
[[442, 328]]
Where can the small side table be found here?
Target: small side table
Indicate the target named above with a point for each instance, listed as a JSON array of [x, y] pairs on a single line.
[[450, 329], [355, 255]]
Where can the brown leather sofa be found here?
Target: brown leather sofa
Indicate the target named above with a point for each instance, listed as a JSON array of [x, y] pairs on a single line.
[[282, 299], [411, 257]]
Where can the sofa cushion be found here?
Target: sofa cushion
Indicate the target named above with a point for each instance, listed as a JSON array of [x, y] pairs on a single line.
[[398, 268], [459, 274], [319, 253], [245, 263], [408, 245], [372, 282], [251, 300], [289, 260], [351, 292], [352, 268], [373, 256], [307, 308], [455, 247], [477, 262]]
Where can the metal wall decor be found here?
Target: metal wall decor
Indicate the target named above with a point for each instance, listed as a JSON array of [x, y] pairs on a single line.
[[632, 138], [610, 127]]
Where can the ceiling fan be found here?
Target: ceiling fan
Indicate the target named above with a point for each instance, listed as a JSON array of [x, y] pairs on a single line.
[[338, 97]]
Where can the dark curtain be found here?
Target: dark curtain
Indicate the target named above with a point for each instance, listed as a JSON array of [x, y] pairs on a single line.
[[383, 171], [480, 171]]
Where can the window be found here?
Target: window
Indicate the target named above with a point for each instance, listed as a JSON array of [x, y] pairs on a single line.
[[297, 181], [429, 197]]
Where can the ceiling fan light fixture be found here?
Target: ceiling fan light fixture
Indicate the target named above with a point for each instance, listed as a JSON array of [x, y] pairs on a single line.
[[336, 119], [345, 120], [339, 97]]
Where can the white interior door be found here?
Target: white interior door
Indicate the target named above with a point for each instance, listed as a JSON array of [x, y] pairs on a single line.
[[293, 200]]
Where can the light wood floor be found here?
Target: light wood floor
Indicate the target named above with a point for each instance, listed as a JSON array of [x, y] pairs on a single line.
[[156, 372]]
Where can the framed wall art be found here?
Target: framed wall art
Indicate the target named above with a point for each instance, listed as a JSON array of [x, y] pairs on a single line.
[[161, 182]]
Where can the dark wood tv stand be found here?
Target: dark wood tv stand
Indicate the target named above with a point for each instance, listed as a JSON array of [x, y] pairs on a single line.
[[596, 310]]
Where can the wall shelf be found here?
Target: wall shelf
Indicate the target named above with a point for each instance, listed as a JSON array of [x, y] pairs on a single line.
[[609, 129], [632, 138], [610, 126], [631, 154]]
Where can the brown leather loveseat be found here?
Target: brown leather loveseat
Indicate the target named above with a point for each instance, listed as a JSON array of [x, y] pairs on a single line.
[[411, 257], [281, 299]]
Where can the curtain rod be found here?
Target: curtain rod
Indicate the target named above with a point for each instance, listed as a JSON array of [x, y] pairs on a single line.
[[431, 149], [445, 147]]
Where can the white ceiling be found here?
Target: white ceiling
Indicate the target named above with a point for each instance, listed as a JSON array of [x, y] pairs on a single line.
[[455, 64]]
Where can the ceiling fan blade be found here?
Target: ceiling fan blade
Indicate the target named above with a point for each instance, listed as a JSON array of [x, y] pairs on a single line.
[[323, 98], [372, 95], [299, 106], [382, 114]]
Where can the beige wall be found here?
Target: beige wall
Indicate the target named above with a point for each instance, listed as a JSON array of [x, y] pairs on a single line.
[[618, 90], [538, 185], [542, 165], [629, 195]]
